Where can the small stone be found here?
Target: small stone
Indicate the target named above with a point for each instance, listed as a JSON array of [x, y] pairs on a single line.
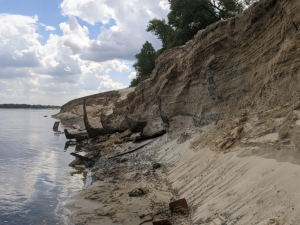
[[136, 192], [123, 160], [156, 166], [147, 173]]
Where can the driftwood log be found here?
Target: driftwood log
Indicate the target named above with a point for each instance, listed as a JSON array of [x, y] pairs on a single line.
[[73, 135], [81, 157]]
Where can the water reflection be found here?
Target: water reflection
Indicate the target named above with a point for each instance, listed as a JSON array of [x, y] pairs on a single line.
[[69, 143], [34, 174], [78, 146], [80, 170]]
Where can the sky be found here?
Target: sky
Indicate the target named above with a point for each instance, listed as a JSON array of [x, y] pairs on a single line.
[[53, 51]]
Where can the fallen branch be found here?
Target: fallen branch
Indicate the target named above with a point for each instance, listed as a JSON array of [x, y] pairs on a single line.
[[81, 157], [124, 153]]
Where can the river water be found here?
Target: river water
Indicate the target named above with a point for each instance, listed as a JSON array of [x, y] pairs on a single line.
[[35, 179]]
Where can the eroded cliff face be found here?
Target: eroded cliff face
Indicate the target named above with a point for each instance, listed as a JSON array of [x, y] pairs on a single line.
[[243, 72], [98, 107], [245, 67]]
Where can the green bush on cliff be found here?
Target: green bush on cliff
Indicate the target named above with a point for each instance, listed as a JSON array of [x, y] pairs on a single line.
[[145, 63]]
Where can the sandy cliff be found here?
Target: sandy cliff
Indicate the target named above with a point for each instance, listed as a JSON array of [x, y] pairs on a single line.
[[234, 89], [247, 66]]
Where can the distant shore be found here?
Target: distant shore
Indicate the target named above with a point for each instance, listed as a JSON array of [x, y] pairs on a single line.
[[26, 106], [33, 108]]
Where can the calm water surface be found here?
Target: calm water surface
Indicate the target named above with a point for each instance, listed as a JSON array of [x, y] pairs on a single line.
[[35, 179]]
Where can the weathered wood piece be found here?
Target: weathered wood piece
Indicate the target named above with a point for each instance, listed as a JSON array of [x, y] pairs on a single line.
[[70, 135], [92, 132], [179, 206], [81, 137], [55, 126]]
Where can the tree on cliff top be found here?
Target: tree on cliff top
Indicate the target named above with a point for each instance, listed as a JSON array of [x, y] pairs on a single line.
[[187, 17], [145, 63]]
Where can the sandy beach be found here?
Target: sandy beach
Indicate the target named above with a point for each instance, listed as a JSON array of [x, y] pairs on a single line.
[[247, 185]]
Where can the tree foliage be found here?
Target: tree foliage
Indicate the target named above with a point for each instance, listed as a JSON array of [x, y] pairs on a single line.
[[161, 29], [187, 17], [145, 63]]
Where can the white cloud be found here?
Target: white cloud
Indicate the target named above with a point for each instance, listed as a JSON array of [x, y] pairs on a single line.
[[150, 13], [164, 4], [91, 11], [96, 75], [108, 84], [50, 28], [73, 65], [68, 69], [132, 75], [56, 57], [126, 37], [18, 42], [75, 36], [54, 72]]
